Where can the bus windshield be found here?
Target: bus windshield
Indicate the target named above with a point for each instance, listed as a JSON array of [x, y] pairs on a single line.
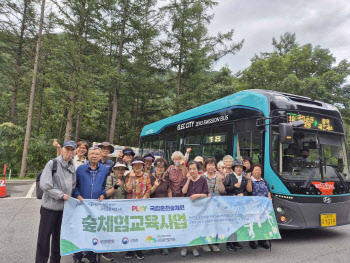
[[312, 156]]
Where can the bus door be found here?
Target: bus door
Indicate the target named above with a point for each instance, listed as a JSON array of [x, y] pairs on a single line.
[[249, 141], [193, 139], [172, 143]]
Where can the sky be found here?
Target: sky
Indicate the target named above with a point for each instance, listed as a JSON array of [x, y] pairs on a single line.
[[319, 22]]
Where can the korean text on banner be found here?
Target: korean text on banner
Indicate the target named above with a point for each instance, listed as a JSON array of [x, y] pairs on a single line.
[[124, 225]]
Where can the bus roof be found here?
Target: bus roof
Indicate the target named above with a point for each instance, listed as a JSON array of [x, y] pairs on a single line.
[[258, 99], [248, 98]]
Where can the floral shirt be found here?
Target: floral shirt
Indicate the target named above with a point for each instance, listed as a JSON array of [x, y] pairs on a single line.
[[141, 186]]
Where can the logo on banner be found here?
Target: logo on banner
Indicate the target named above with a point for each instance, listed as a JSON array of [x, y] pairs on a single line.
[[150, 239], [95, 241], [125, 240], [325, 188]]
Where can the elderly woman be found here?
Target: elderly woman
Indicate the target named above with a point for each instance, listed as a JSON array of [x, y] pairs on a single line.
[[126, 154], [215, 187], [177, 173], [115, 190], [258, 187], [228, 162], [247, 164], [160, 180], [149, 160], [137, 186], [221, 166], [194, 186], [115, 183], [236, 185], [200, 161], [160, 185]]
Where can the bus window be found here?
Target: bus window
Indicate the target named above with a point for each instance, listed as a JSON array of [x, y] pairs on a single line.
[[154, 148], [161, 148], [275, 150], [193, 139], [250, 144], [145, 147], [216, 142], [172, 143]]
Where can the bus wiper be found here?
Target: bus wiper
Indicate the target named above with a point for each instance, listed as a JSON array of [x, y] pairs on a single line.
[[337, 173], [313, 172]]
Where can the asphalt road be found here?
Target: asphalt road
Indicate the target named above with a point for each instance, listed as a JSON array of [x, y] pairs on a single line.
[[19, 218]]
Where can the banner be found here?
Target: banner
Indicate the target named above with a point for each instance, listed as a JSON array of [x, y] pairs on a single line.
[[124, 225]]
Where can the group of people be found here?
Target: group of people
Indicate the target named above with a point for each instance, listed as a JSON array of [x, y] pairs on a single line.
[[136, 177]]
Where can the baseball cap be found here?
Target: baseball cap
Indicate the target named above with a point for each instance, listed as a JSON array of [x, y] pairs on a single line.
[[72, 144]]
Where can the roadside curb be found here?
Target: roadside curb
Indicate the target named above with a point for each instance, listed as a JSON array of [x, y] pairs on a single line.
[[19, 181]]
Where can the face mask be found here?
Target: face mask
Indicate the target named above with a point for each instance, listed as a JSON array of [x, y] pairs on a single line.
[[177, 164]]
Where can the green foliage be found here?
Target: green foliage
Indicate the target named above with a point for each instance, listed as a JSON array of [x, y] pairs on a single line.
[[167, 67]]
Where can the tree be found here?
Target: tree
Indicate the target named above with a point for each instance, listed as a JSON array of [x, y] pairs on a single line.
[[19, 20], [191, 52], [118, 71], [32, 93]]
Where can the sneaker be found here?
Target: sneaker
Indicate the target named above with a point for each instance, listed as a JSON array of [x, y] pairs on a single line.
[[231, 246], [129, 254], [165, 251], [264, 244], [139, 254], [76, 260], [107, 256], [253, 244], [195, 252], [184, 252], [206, 248], [214, 248], [237, 245]]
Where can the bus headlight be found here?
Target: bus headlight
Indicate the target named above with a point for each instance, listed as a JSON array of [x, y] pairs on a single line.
[[283, 218], [279, 209]]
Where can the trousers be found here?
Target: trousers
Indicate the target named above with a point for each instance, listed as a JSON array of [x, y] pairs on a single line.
[[49, 227]]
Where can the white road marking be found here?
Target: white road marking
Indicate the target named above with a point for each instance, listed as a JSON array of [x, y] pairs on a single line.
[[12, 198], [31, 190]]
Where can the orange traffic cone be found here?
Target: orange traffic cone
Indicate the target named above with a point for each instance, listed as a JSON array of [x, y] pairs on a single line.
[[3, 188]]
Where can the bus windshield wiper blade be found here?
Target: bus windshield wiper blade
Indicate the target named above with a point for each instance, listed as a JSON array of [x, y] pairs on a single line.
[[337, 173], [313, 172]]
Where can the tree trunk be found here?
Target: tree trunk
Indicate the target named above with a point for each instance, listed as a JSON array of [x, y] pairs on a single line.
[[77, 127], [69, 125], [32, 94], [40, 107], [18, 63], [120, 55], [62, 123], [109, 113]]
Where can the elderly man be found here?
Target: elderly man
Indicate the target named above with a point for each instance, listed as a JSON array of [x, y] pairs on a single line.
[[57, 187], [91, 184], [106, 150]]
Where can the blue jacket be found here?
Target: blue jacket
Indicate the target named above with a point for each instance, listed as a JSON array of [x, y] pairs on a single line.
[[108, 163], [89, 187]]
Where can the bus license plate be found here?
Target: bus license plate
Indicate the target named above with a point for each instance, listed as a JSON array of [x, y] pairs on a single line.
[[328, 220]]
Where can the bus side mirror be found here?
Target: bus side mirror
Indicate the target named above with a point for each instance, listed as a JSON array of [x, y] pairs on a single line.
[[286, 133]]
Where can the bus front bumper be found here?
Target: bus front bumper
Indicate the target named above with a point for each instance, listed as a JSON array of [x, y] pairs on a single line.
[[305, 212]]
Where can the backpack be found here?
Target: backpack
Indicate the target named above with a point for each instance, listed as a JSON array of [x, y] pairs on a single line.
[[39, 191]]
